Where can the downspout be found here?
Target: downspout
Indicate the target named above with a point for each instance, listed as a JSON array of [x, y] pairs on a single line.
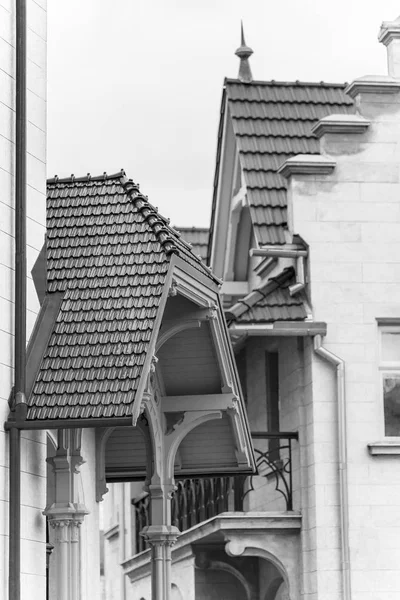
[[299, 254], [19, 400], [342, 443]]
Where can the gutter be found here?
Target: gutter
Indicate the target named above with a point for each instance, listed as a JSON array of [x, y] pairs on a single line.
[[41, 424], [280, 328], [279, 252], [19, 400], [342, 444]]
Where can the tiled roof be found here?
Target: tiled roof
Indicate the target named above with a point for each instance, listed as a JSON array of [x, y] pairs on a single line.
[[197, 237], [272, 121], [270, 303], [108, 253]]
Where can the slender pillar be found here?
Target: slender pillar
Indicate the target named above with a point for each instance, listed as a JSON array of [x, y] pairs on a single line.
[[161, 536], [66, 515], [161, 540], [66, 543]]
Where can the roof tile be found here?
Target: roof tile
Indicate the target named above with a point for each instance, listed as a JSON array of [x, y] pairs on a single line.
[[273, 303], [272, 121], [109, 252]]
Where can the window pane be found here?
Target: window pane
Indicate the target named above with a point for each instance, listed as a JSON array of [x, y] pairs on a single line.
[[391, 400], [391, 346]]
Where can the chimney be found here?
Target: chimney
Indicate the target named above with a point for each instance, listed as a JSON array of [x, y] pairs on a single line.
[[389, 35]]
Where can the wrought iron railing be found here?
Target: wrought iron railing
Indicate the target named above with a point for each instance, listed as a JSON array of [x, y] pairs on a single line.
[[198, 499], [274, 460]]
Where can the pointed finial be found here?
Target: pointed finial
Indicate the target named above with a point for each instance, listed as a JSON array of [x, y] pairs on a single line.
[[244, 53]]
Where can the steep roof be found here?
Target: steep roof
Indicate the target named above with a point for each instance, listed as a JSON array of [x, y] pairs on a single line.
[[197, 237], [270, 303], [271, 122], [108, 254]]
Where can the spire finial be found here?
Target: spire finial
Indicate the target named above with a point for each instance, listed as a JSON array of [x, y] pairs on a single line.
[[244, 53]]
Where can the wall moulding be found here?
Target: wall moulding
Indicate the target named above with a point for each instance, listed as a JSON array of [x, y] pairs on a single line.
[[307, 164], [385, 448], [344, 124]]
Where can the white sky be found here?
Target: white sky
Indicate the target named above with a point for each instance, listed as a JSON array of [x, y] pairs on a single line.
[[136, 84]]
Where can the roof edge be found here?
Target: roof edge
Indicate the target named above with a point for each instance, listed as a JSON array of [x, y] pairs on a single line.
[[288, 83], [86, 178], [244, 304]]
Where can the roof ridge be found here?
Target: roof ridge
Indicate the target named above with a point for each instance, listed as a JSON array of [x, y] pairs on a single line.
[[247, 301], [168, 236], [296, 83], [86, 178], [159, 224]]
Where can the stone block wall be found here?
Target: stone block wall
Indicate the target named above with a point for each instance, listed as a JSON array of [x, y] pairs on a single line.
[[290, 351], [351, 221], [33, 444]]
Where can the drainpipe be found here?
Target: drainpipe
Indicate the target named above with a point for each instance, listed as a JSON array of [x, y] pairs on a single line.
[[300, 277], [19, 401], [299, 254], [342, 443]]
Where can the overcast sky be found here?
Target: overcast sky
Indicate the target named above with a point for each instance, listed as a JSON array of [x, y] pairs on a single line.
[[136, 84]]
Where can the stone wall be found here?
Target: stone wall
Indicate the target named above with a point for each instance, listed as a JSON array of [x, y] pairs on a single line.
[[351, 220], [265, 497], [33, 444]]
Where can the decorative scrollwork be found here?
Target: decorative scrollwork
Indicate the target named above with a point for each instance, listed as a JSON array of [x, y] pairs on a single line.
[[275, 462]]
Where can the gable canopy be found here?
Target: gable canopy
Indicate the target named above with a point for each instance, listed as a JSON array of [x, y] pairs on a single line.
[[108, 255], [131, 326], [131, 338]]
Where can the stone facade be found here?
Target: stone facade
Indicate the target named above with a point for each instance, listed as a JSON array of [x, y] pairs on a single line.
[[351, 220], [33, 449]]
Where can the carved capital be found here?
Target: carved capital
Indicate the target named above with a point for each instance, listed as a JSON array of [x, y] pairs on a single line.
[[173, 290], [234, 406], [162, 535], [212, 313], [66, 523]]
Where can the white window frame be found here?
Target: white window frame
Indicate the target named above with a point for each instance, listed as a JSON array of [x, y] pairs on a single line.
[[385, 368]]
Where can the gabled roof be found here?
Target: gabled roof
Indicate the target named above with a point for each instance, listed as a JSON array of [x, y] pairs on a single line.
[[271, 122], [108, 254], [197, 237], [270, 303]]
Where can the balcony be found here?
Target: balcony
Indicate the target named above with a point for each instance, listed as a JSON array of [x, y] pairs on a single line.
[[197, 500]]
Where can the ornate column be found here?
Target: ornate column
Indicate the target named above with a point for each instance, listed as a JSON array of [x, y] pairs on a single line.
[[161, 536], [66, 543], [65, 515]]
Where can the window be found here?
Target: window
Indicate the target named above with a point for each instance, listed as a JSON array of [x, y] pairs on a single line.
[[389, 367], [272, 381]]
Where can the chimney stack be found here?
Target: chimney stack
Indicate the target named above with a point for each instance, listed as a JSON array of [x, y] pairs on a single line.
[[389, 35]]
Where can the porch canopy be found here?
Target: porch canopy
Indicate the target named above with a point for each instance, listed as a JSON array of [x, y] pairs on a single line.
[[131, 340], [130, 324]]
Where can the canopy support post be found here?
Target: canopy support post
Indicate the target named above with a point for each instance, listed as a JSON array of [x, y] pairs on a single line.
[[161, 536]]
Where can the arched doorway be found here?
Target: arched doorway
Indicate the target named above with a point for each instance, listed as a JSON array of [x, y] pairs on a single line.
[[218, 584]]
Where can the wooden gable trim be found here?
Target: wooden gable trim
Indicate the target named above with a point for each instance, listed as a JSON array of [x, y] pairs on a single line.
[[137, 405], [40, 337], [223, 191]]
